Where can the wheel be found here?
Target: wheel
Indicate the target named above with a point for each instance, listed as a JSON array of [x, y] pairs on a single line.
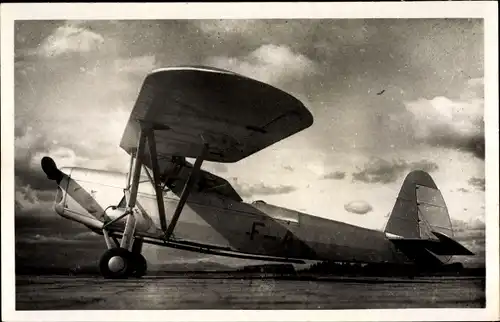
[[140, 266], [116, 263]]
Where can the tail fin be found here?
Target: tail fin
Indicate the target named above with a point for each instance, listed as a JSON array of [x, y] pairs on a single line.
[[419, 224]]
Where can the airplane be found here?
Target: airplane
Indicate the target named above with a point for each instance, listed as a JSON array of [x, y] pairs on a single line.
[[216, 115]]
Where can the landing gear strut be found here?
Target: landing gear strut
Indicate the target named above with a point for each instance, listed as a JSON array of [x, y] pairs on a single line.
[[125, 259]]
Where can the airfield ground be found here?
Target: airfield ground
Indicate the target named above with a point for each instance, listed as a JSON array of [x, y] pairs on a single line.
[[222, 292]]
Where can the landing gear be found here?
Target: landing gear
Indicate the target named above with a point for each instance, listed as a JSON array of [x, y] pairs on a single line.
[[125, 259], [118, 263], [140, 265]]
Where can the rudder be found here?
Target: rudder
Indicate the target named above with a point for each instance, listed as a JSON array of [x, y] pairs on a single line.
[[420, 209], [419, 224]]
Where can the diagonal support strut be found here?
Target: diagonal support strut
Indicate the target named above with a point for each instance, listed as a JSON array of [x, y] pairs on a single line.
[[156, 180], [193, 176]]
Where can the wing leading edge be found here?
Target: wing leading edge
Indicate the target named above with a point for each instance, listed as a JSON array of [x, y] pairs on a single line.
[[235, 115]]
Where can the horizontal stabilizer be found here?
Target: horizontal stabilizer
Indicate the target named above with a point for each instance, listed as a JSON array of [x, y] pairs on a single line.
[[448, 246], [442, 245]]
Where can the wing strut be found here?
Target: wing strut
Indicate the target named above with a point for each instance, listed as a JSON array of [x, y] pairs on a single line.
[[156, 179], [193, 176], [132, 185]]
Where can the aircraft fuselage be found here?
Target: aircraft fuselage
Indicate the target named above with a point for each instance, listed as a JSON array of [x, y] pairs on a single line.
[[209, 218]]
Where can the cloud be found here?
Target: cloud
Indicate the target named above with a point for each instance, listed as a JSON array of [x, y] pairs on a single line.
[[74, 108], [25, 197], [378, 170], [138, 64], [471, 225], [82, 100], [337, 175], [216, 167], [275, 64], [228, 27], [331, 36], [463, 190], [87, 235], [478, 183], [358, 207], [247, 190], [28, 196], [70, 39], [451, 123], [37, 239], [29, 200], [32, 188], [473, 236]]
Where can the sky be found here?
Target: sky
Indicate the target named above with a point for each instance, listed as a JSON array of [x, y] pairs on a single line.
[[388, 96]]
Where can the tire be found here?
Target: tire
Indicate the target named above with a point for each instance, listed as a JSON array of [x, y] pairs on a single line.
[[124, 267], [140, 265]]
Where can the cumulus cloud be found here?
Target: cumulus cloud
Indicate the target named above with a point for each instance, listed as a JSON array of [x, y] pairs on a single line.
[[29, 201], [247, 190], [25, 197], [451, 123], [226, 26], [45, 239], [331, 36], [27, 145], [34, 193], [383, 171], [136, 64], [86, 235], [27, 141], [472, 235], [58, 237], [478, 183], [359, 207], [471, 225], [73, 109], [216, 167], [337, 175], [269, 63], [70, 39], [82, 100], [64, 156]]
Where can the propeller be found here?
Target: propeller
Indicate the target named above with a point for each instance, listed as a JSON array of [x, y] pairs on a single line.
[[51, 170]]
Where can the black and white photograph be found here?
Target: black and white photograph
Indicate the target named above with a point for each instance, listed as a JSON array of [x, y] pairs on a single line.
[[177, 162]]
